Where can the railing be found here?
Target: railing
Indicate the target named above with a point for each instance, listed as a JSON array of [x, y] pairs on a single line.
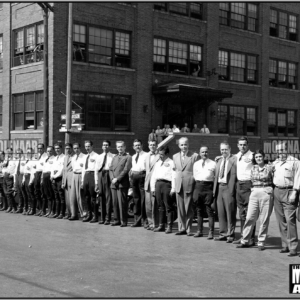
[[28, 58]]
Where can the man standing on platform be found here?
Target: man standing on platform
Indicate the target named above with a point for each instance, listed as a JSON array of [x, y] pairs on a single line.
[[138, 174], [185, 128], [184, 185], [118, 172], [88, 183], [67, 177], [102, 182], [151, 203]]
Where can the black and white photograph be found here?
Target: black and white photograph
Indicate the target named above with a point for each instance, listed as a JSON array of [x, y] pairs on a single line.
[[149, 149]]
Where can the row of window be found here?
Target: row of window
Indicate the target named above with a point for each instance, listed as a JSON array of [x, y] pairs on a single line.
[[241, 120]]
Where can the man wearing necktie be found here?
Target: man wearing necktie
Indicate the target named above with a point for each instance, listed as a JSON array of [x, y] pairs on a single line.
[[88, 183], [118, 172], [39, 193], [138, 174], [67, 177], [184, 185], [77, 195], [224, 191], [102, 182], [151, 203]]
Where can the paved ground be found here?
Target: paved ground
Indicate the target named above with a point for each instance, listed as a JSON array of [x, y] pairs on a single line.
[[43, 257]]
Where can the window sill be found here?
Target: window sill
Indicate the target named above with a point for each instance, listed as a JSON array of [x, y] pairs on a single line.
[[102, 66], [281, 39], [27, 131], [239, 83], [180, 16], [105, 132], [178, 75], [283, 89], [241, 30], [27, 65], [282, 137]]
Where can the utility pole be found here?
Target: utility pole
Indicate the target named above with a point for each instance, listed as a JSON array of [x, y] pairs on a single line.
[[46, 7], [69, 75]]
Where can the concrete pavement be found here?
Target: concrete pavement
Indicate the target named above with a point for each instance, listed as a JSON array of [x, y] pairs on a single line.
[[43, 257]]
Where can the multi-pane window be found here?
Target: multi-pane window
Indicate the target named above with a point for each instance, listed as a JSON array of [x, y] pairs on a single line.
[[239, 15], [283, 74], [237, 120], [104, 111], [283, 25], [101, 46], [191, 9], [282, 122], [1, 52], [28, 111], [1, 111], [28, 44], [237, 67], [177, 57]]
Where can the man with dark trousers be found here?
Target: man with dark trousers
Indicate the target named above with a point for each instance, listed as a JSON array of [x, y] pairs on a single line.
[[204, 174], [184, 185], [102, 182], [151, 203], [120, 166], [47, 184], [37, 171], [225, 192], [8, 180], [138, 174], [67, 177], [88, 183], [56, 178]]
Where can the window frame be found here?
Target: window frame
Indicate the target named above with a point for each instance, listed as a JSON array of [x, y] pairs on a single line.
[[228, 131], [1, 52], [278, 11], [246, 23], [87, 43], [246, 80], [275, 81], [188, 9], [23, 113], [36, 56], [113, 112], [188, 64], [286, 126]]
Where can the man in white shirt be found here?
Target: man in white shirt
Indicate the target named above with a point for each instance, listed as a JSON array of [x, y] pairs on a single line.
[[138, 174], [47, 184], [8, 180], [204, 174], [163, 188], [39, 198], [77, 195], [204, 129], [56, 178], [88, 183], [102, 182]]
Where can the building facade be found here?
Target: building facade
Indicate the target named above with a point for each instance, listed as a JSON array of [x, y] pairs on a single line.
[[136, 66]]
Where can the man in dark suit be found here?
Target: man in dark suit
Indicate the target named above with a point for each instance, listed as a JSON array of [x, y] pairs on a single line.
[[224, 192], [184, 185], [118, 172]]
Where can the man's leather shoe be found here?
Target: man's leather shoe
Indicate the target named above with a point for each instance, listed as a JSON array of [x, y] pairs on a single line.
[[3, 208], [136, 225], [169, 229], [220, 238], [74, 218], [52, 216], [55, 215], [123, 225], [101, 222], [237, 242], [9, 210], [46, 215], [38, 213], [60, 216], [19, 211], [198, 234], [31, 213], [261, 248], [106, 222], [284, 250], [42, 214], [115, 224], [190, 234], [24, 212], [181, 232], [87, 218], [242, 246], [160, 228], [14, 211], [67, 217], [150, 228], [229, 240], [210, 235], [292, 253]]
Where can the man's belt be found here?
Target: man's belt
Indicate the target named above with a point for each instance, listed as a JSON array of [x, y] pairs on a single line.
[[163, 180], [47, 172], [103, 171], [205, 182], [77, 173], [284, 187], [244, 181], [138, 172], [222, 183], [262, 185], [89, 171], [26, 174]]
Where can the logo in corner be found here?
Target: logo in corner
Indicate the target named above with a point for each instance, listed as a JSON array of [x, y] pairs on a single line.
[[294, 279]]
